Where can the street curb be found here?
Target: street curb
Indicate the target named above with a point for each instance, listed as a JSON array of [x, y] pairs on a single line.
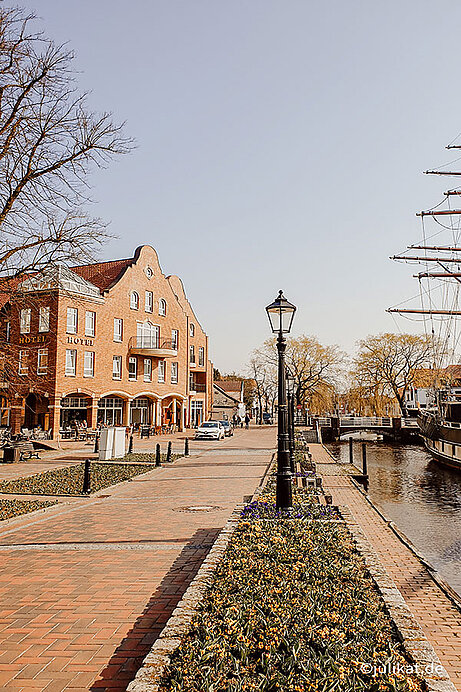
[[178, 625], [415, 643]]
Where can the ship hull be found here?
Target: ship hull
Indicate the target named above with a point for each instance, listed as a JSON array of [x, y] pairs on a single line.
[[442, 440]]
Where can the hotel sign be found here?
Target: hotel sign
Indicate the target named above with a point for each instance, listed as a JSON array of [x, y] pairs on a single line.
[[82, 342], [37, 339]]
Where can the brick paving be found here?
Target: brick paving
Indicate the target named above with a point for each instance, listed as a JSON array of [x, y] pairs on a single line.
[[87, 585], [439, 618]]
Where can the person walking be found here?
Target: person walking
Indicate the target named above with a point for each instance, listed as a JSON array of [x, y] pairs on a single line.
[[247, 421]]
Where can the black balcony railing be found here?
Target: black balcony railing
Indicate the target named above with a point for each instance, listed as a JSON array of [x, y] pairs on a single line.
[[197, 387], [152, 342]]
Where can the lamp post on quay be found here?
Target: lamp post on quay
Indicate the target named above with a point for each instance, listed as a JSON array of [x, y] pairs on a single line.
[[281, 314]]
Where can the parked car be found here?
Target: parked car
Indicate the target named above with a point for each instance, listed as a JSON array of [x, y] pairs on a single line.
[[227, 428], [211, 430], [267, 418]]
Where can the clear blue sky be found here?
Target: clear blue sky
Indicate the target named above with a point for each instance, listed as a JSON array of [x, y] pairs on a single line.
[[279, 145]]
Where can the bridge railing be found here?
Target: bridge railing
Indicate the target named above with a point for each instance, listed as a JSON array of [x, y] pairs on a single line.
[[364, 421], [410, 423]]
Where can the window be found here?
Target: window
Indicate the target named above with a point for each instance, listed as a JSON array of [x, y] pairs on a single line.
[[162, 307], [72, 318], [25, 321], [90, 323], [201, 356], [147, 335], [117, 368], [174, 373], [192, 354], [191, 382], [132, 368], [44, 320], [134, 300], [174, 339], [192, 329], [149, 301], [147, 369], [161, 370], [118, 329], [42, 361], [23, 362], [7, 331], [71, 361], [148, 272], [88, 364]]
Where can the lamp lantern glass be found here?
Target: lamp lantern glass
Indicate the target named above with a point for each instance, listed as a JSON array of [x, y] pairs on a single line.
[[280, 314]]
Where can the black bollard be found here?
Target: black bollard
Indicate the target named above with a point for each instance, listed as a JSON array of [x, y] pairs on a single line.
[[351, 451], [87, 477], [130, 445], [186, 447], [168, 452], [157, 455], [96, 444], [364, 459]]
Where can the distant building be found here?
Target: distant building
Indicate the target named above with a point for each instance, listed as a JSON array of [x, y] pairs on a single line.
[[227, 399], [115, 343]]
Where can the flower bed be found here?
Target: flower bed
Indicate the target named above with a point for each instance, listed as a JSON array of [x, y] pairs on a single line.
[[146, 456], [291, 608], [13, 508], [69, 480]]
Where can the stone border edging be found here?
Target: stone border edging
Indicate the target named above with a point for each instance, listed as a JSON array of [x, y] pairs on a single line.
[[414, 641], [179, 623]]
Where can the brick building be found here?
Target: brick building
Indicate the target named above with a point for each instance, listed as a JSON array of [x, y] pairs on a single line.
[[114, 343]]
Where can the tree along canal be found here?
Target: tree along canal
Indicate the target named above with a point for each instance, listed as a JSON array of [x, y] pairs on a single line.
[[421, 497]]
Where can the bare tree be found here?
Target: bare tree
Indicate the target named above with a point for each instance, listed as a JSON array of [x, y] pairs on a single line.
[[388, 364], [264, 376], [49, 143], [312, 365]]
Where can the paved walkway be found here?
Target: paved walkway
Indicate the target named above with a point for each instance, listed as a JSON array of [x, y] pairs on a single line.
[[436, 614], [87, 585]]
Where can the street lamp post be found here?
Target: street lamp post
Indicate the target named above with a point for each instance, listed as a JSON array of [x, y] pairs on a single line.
[[281, 314]]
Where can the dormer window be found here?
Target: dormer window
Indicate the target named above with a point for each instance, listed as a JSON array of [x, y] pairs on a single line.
[[134, 300], [162, 307]]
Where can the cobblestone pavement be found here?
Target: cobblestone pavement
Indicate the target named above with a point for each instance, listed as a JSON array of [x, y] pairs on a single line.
[[87, 585], [436, 614]]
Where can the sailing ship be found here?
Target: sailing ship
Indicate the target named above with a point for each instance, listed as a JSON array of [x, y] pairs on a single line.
[[439, 257]]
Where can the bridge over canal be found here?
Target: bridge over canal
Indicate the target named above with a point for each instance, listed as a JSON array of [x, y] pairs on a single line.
[[333, 427]]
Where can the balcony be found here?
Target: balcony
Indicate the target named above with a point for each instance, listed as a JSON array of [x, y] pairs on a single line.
[[148, 346], [197, 388]]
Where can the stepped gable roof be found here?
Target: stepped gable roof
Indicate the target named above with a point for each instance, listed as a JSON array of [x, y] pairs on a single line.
[[103, 274]]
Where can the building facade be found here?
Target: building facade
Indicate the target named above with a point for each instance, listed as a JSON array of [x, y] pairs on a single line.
[[113, 343]]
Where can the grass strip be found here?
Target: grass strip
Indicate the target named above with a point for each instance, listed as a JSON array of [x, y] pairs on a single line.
[[14, 508], [69, 480], [293, 609]]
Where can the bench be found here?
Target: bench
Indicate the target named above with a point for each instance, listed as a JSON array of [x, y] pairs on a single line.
[[26, 451]]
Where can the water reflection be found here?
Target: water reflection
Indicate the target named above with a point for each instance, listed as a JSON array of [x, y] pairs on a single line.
[[420, 496]]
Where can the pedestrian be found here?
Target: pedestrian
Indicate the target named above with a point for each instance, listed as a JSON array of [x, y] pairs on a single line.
[[247, 421]]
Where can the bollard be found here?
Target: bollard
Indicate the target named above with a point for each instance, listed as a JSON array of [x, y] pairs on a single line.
[[351, 451], [157, 455], [364, 459], [130, 445], [186, 447], [96, 444], [87, 477], [168, 452]]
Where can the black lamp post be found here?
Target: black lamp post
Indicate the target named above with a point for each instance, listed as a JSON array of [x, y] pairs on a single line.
[[281, 314]]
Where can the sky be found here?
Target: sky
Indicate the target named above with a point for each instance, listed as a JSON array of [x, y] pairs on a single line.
[[279, 144]]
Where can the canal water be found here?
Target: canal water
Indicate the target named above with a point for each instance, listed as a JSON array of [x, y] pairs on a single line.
[[421, 497]]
